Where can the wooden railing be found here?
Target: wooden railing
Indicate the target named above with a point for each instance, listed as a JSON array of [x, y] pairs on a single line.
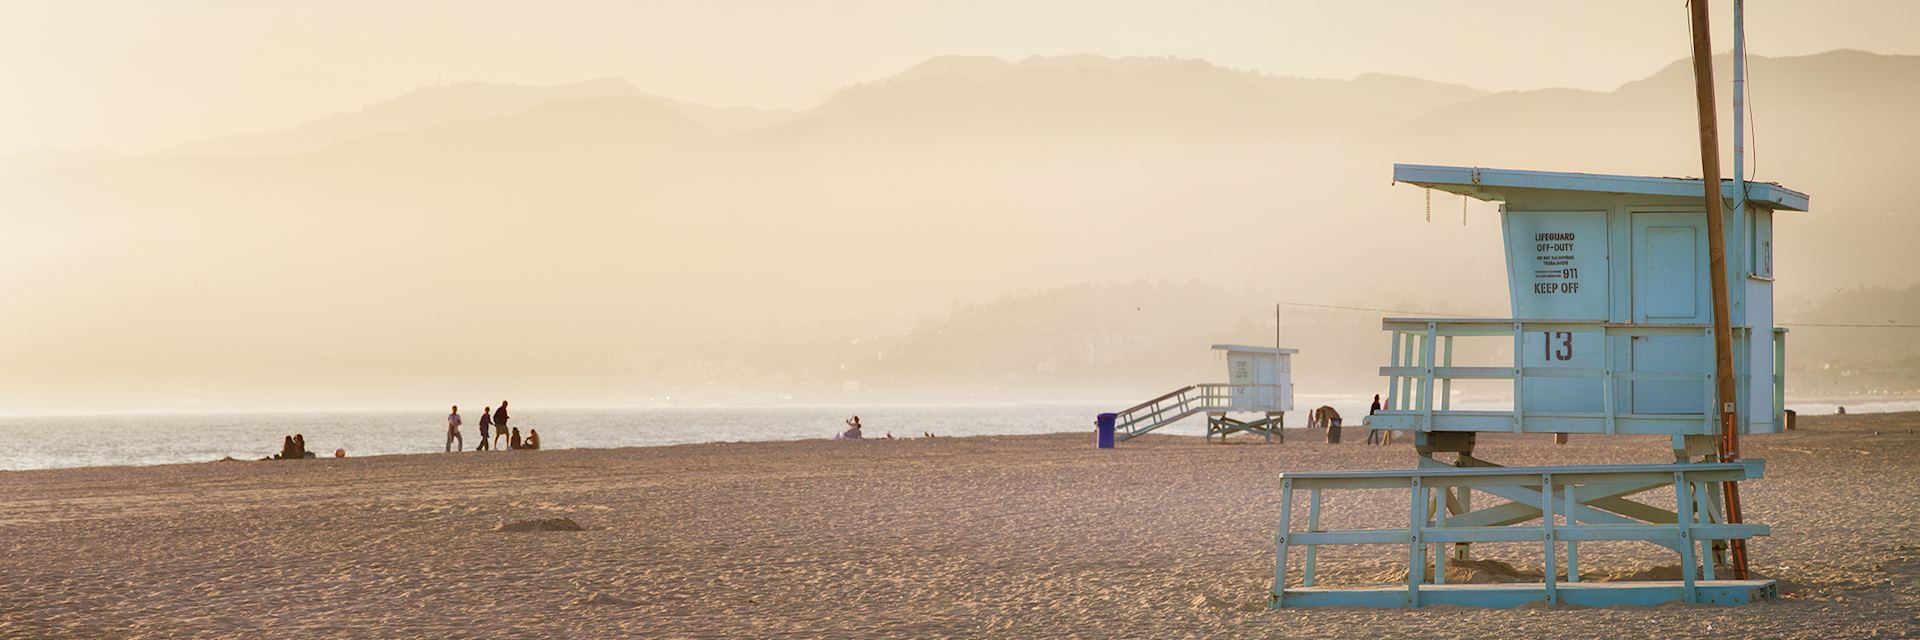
[[1421, 372], [1570, 504]]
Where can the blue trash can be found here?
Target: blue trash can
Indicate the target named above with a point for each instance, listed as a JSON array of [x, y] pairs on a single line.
[[1103, 430]]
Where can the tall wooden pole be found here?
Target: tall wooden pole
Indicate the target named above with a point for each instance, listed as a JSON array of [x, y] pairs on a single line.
[[1717, 261]]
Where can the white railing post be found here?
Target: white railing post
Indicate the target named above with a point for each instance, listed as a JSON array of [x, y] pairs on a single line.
[[1704, 512], [1416, 550], [1280, 564], [1426, 388], [1519, 378], [1606, 377], [1406, 382], [1779, 379], [1709, 391], [1313, 524], [1546, 523], [1683, 518], [1393, 381], [1440, 520], [1466, 506], [1573, 546]]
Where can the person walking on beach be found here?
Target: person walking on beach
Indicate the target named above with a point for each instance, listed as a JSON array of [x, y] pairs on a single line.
[[499, 425], [453, 430], [1373, 435], [1331, 419], [486, 422]]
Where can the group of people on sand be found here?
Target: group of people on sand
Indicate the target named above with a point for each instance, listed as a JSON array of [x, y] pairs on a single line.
[[493, 429], [1327, 418], [293, 447], [853, 432]]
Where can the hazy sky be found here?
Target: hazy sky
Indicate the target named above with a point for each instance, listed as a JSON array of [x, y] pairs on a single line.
[[136, 75]]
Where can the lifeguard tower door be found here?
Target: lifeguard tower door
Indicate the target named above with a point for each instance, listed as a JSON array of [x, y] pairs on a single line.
[[1669, 286], [1252, 376]]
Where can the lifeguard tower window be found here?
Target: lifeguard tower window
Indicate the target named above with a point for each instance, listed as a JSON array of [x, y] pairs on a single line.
[[1760, 232], [1611, 325]]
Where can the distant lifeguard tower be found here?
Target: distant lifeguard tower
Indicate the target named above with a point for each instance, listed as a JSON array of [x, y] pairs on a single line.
[[1259, 380], [1611, 333]]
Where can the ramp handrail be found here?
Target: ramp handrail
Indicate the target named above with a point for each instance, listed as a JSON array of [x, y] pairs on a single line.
[[1185, 401], [1149, 403]]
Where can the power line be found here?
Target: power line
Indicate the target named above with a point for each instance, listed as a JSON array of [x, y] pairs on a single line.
[[1375, 309], [1837, 325], [1853, 325]]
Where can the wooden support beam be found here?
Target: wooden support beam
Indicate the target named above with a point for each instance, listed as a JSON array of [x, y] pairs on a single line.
[[1717, 263]]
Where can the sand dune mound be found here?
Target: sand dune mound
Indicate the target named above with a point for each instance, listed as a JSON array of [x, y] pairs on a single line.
[[540, 524], [1495, 571], [1642, 574], [604, 599], [1465, 572]]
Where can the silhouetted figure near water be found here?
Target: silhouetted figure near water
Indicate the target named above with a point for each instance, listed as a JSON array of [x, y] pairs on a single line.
[[1373, 435], [453, 430], [486, 422], [513, 441], [533, 439], [499, 425]]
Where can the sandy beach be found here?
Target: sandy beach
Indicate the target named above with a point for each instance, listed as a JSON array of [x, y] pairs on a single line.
[[970, 537]]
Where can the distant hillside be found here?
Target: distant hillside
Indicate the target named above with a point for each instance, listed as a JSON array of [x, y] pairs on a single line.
[[971, 96], [619, 245], [430, 107]]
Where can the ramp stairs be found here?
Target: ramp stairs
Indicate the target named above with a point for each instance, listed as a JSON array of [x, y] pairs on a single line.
[[1208, 398]]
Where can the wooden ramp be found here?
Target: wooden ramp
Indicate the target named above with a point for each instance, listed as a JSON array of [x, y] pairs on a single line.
[[1215, 400]]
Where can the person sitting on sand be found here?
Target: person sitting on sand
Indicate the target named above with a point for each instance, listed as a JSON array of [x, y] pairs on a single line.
[[533, 439], [852, 432], [513, 441], [486, 424], [453, 430], [300, 447], [286, 449]]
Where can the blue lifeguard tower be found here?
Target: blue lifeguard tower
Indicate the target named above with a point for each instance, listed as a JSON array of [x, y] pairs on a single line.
[[1611, 333]]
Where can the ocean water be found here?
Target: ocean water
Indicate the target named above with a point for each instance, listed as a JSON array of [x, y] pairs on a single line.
[[48, 442], [86, 441]]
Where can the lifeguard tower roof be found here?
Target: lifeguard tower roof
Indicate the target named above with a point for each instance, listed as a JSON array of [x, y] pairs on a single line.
[[1492, 184], [1252, 349]]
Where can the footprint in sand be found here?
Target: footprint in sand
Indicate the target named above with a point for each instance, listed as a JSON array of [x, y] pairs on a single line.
[[540, 524]]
